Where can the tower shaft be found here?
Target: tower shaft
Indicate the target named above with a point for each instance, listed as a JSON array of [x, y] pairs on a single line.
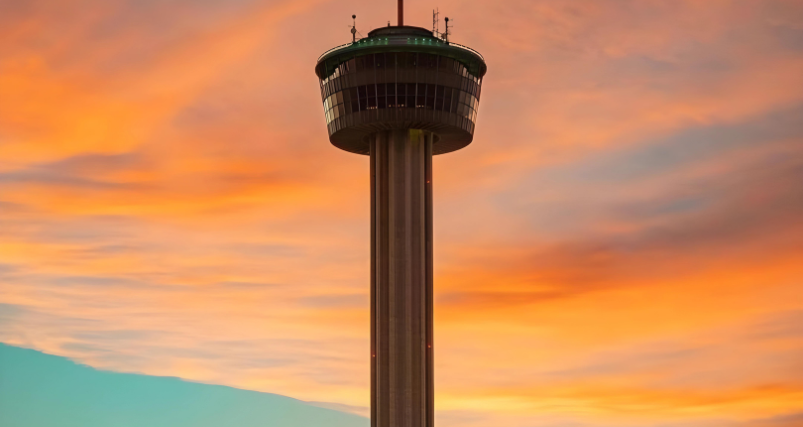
[[401, 279]]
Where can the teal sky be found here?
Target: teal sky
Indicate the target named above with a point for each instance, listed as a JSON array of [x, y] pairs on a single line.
[[39, 390]]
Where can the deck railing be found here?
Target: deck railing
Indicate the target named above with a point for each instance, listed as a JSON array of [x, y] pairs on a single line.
[[342, 46]]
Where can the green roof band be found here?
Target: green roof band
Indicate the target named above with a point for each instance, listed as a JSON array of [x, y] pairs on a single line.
[[399, 40]]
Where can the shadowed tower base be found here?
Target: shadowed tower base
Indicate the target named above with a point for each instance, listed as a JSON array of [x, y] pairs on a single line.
[[401, 278]]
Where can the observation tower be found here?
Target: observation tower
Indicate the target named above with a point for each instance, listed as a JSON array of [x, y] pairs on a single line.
[[400, 96]]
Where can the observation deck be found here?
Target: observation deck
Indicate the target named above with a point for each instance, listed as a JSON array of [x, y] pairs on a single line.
[[400, 77]]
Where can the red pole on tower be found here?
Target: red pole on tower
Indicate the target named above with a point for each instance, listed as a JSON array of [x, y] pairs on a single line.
[[401, 12]]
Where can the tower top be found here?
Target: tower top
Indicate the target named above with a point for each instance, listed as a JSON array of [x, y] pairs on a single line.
[[400, 31], [400, 78]]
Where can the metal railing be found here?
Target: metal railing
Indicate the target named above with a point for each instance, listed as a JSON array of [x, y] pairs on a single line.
[[468, 49], [334, 49], [342, 46]]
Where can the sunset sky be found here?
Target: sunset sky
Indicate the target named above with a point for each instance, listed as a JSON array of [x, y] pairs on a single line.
[[621, 245]]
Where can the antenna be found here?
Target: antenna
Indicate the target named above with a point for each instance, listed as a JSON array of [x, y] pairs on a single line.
[[446, 33], [401, 13], [435, 21], [354, 29]]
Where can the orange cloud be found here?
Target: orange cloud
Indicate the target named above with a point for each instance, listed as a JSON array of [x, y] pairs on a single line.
[[619, 246]]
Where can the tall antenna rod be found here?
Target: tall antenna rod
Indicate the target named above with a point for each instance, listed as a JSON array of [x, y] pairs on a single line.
[[401, 12], [435, 22]]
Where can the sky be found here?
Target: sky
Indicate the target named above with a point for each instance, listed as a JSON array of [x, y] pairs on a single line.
[[621, 245], [40, 390]]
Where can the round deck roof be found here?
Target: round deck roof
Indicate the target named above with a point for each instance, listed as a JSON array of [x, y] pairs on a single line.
[[400, 39]]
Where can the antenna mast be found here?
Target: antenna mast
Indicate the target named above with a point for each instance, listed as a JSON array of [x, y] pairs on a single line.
[[446, 33], [401, 13], [435, 22]]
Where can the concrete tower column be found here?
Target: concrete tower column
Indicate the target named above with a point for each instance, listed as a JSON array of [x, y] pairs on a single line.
[[401, 278]]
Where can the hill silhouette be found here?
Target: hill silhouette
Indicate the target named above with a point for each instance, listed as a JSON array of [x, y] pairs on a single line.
[[40, 390]]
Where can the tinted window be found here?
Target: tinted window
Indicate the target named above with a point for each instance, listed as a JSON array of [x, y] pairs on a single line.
[[412, 60], [447, 99]]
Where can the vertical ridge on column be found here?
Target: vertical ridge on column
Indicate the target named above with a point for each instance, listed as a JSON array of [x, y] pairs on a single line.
[[429, 281], [406, 162], [374, 272]]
